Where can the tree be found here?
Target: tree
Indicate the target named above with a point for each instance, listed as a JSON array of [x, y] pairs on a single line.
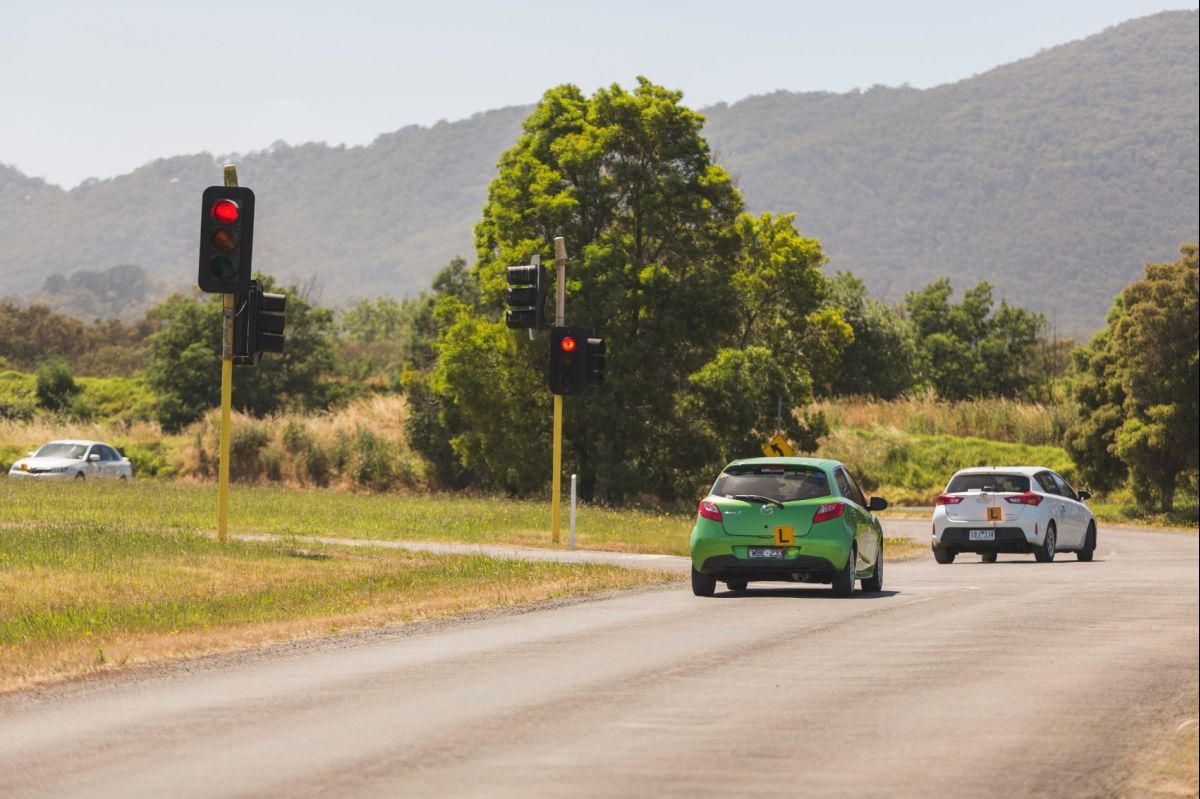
[[184, 367], [56, 388], [1138, 401], [965, 350], [691, 294], [880, 360]]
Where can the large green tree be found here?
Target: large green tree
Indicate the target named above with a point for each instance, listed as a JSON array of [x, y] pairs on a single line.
[[1138, 398], [184, 367], [880, 362], [965, 350], [711, 316]]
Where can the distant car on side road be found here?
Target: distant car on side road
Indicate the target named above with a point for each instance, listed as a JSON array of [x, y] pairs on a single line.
[[73, 460], [1017, 509], [787, 519]]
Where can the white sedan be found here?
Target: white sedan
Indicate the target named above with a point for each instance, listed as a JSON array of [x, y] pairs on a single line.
[[73, 460], [1018, 509]]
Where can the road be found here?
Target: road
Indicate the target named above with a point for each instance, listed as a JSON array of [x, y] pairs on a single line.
[[969, 680]]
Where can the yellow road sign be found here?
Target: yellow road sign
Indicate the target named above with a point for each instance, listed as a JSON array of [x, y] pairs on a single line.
[[778, 447]]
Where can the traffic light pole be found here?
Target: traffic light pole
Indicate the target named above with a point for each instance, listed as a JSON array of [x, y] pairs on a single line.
[[230, 309], [560, 319]]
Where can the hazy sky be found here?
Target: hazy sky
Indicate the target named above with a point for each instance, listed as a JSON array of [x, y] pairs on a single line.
[[96, 89]]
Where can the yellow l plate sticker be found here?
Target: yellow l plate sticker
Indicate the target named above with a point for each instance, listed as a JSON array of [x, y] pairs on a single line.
[[784, 536], [995, 514]]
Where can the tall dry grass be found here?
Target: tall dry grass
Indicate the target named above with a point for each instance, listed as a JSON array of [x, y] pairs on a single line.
[[361, 445], [995, 419]]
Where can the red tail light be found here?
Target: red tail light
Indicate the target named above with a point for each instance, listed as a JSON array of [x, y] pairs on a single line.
[[948, 499], [710, 511], [830, 510], [1028, 498]]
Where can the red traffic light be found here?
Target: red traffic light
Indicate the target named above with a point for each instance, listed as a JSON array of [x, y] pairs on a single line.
[[567, 344], [225, 211]]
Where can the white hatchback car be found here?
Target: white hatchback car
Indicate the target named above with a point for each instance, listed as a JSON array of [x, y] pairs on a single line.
[[1012, 509], [73, 460]]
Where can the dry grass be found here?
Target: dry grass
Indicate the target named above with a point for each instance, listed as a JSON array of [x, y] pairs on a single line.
[[81, 598], [995, 419], [1170, 769]]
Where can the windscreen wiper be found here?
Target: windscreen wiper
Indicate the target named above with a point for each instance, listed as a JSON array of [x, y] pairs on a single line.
[[757, 498]]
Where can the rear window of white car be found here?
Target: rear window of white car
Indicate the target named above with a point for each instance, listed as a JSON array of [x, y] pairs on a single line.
[[1005, 483], [784, 482]]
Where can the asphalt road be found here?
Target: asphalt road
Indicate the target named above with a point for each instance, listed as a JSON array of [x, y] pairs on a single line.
[[997, 680]]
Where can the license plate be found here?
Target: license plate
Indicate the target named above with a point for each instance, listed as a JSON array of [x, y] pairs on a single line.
[[981, 535], [765, 552]]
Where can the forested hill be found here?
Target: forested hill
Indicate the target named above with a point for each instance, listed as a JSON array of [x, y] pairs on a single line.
[[1054, 178]]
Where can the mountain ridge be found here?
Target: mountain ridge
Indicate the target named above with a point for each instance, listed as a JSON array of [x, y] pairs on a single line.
[[1054, 177]]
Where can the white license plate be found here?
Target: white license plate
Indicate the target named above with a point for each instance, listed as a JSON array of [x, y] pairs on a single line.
[[981, 535], [765, 552]]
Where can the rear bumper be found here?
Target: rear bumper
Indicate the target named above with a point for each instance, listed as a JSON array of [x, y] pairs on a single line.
[[1009, 538], [814, 557], [802, 568]]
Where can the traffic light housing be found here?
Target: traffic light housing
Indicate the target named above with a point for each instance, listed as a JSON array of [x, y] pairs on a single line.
[[567, 373], [258, 325], [594, 361], [527, 296], [226, 239]]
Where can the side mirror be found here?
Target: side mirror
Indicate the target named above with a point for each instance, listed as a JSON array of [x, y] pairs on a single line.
[[1085, 495], [877, 504], [95, 456]]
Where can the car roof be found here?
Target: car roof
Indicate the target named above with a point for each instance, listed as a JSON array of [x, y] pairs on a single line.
[[818, 463], [82, 441], [1028, 471]]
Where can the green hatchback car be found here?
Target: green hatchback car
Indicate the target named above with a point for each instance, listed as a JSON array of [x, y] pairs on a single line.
[[787, 519]]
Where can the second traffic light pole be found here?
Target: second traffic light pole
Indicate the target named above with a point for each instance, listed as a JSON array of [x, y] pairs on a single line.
[[231, 180], [560, 319]]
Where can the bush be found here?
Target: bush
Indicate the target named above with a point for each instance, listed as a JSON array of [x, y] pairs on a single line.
[[56, 388], [247, 440]]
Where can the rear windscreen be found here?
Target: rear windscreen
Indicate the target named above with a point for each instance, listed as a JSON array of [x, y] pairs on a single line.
[[1008, 483], [784, 483]]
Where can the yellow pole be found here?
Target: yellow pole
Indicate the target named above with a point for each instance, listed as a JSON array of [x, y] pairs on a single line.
[[560, 319], [226, 396], [557, 490]]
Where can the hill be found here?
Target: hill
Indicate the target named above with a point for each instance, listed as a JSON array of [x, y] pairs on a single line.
[[1055, 178]]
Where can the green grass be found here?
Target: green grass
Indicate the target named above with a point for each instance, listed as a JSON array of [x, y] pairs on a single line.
[[911, 469], [193, 508]]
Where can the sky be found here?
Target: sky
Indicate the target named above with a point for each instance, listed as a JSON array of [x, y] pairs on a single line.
[[96, 89]]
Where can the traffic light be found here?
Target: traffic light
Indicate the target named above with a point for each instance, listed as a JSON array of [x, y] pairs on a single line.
[[226, 236], [567, 373], [258, 327], [594, 360], [527, 299]]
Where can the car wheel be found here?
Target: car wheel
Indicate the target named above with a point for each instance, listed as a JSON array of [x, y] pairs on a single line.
[[80, 476], [874, 583], [736, 585], [943, 555], [987, 557], [1089, 544], [703, 584], [843, 581], [1045, 553]]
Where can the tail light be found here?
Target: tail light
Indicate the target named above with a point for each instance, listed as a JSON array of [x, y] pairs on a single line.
[[830, 510], [948, 499], [710, 511], [1028, 498]]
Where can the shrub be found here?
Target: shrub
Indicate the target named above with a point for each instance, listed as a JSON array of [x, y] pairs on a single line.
[[246, 442], [56, 387]]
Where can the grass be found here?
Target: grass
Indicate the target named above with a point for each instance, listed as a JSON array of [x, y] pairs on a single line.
[[79, 596], [995, 419], [911, 469]]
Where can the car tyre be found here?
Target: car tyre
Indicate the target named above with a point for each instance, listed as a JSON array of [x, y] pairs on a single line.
[[874, 583], [1045, 553], [987, 557], [736, 585], [703, 584], [943, 555], [843, 581], [1089, 544], [80, 476]]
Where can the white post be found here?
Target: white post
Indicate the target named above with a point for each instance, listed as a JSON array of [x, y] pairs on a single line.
[[572, 545]]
